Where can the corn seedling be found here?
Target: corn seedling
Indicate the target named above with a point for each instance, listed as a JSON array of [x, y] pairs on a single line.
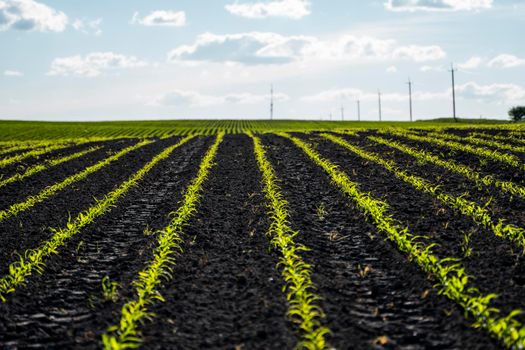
[[51, 190], [44, 148], [35, 169], [34, 259], [495, 156], [124, 334], [479, 214], [449, 273], [461, 169], [299, 288]]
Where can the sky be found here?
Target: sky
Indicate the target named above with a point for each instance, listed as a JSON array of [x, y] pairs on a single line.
[[209, 59]]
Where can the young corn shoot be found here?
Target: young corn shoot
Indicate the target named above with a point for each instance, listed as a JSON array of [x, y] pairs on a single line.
[[479, 214], [34, 259], [125, 334], [451, 276], [496, 156], [463, 170], [299, 288], [51, 190]]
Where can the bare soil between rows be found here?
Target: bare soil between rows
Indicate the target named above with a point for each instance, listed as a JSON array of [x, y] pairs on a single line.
[[226, 288]]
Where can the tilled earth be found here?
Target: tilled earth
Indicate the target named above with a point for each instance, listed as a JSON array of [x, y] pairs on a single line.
[[226, 288]]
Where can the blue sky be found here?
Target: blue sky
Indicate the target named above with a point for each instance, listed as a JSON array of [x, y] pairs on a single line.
[[116, 60]]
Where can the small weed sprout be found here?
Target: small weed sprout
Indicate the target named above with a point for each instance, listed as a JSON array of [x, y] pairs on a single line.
[[466, 249], [109, 289], [321, 212]]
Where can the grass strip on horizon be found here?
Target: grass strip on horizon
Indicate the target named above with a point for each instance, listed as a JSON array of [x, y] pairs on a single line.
[[461, 169], [450, 274], [49, 191], [299, 288], [35, 169], [125, 334], [34, 259], [480, 215]]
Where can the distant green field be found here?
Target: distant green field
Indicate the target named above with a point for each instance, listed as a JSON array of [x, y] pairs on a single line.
[[20, 130]]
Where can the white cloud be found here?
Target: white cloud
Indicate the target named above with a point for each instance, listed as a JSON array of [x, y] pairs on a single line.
[[88, 27], [294, 9], [161, 18], [195, 99], [30, 15], [506, 61], [391, 69], [498, 93], [270, 48], [93, 64], [438, 5], [472, 63], [13, 73]]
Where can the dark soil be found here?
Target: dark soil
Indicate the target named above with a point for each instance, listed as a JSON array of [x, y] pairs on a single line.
[[30, 227], [498, 169], [226, 290], [502, 205], [28, 162], [17, 192], [493, 261], [64, 307], [362, 279]]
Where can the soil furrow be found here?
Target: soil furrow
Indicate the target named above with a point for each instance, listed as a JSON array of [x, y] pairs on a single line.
[[19, 191], [370, 292], [28, 228], [226, 290], [70, 309], [493, 262], [487, 166], [501, 205]]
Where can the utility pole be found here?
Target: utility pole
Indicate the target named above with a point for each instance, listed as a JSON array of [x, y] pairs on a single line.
[[379, 101], [271, 102], [453, 71], [358, 110], [330, 115], [410, 97], [342, 107]]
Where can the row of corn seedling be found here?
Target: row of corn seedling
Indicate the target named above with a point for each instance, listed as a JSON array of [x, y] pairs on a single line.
[[461, 169], [493, 155], [44, 148], [505, 138], [299, 287], [125, 334], [51, 190], [34, 259], [477, 213], [449, 273], [37, 168], [479, 141]]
